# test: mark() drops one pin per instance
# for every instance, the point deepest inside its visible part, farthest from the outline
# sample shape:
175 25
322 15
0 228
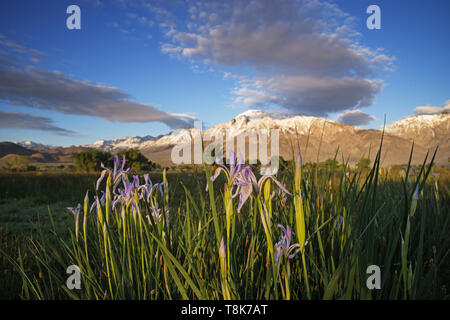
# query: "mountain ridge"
426 131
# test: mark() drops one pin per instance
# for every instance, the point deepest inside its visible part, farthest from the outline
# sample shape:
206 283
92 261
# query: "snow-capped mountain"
119 144
257 120
318 138
242 123
422 128
254 114
173 138
34 145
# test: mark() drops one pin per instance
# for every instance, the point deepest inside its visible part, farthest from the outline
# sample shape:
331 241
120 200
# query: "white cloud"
445 108
304 55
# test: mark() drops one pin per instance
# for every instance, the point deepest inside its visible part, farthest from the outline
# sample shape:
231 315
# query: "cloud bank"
28 121
445 108
38 88
355 117
303 55
34 87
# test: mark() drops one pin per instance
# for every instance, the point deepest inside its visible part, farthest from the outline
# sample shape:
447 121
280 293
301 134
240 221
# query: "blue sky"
141 67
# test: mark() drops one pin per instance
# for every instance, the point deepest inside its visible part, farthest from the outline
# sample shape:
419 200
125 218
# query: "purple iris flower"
100 179
284 246
116 172
126 195
263 179
341 219
238 176
75 211
157 214
243 180
102 201
117 200
136 182
236 165
146 190
416 193
246 182
127 192
124 190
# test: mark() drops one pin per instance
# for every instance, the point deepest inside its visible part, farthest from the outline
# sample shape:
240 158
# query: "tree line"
90 160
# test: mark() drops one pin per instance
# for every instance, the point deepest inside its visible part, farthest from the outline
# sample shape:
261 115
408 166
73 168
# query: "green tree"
90 160
136 161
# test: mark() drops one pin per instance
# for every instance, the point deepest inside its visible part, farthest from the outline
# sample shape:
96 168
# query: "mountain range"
319 138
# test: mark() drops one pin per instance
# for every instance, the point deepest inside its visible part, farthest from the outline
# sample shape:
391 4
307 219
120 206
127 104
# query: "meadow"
226 232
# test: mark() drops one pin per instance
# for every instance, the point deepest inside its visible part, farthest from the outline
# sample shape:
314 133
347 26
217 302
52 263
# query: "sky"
138 67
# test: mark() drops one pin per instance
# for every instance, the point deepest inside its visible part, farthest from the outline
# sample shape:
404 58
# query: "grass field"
178 241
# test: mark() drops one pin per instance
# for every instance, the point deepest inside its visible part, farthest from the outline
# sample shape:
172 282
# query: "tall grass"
137 243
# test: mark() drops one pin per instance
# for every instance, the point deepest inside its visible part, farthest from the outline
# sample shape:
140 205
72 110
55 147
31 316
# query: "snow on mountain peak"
254 114
418 121
424 125
123 143
33 145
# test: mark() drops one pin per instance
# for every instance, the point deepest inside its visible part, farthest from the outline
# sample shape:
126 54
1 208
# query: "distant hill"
38 153
7 148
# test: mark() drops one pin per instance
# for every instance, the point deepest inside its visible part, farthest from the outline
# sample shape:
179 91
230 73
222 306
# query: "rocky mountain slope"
319 138
312 133
425 130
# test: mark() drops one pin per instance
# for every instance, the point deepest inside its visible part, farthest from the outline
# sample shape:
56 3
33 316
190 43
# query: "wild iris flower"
236 165
124 190
284 246
341 219
243 180
116 172
247 181
126 194
76 212
157 213
146 190
414 201
102 201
